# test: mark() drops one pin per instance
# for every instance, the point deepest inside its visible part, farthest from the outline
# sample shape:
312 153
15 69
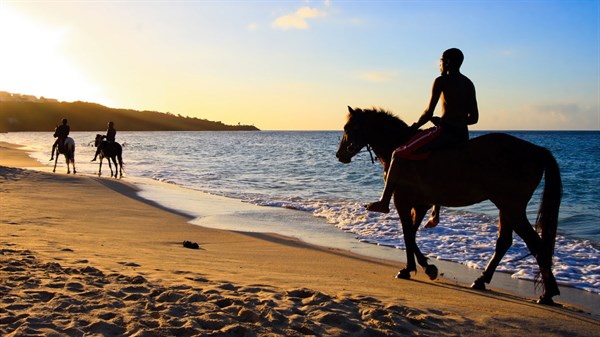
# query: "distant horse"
113 151
496 167
68 150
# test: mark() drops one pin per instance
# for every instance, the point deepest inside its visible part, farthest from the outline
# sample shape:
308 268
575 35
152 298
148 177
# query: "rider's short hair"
455 56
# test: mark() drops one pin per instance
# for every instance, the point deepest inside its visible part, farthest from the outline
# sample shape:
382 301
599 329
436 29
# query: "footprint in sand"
40 295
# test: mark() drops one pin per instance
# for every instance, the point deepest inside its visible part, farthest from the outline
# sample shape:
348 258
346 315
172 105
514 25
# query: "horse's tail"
120 155
547 219
120 158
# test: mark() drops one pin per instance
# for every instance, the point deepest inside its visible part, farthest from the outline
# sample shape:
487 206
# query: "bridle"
371 154
351 146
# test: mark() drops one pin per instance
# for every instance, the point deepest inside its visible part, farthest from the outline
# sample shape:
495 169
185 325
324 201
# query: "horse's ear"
350 110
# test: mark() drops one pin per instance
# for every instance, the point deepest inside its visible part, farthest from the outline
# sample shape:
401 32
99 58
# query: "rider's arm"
436 92
473 116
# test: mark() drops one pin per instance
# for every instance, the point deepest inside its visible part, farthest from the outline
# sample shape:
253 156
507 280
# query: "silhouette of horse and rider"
106 146
64 145
441 166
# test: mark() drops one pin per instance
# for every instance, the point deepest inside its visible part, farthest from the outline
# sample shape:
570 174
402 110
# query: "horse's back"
70 141
111 149
486 167
500 141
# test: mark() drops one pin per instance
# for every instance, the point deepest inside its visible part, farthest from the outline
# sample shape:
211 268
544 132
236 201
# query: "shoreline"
225 213
253 282
263 219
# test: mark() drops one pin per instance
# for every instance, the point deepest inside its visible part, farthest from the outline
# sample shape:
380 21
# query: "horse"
68 150
112 151
497 167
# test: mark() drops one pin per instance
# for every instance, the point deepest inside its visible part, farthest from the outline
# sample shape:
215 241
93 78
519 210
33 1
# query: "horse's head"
355 137
98 140
378 128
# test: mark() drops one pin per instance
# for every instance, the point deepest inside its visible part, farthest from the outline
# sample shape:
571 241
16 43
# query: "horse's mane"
381 117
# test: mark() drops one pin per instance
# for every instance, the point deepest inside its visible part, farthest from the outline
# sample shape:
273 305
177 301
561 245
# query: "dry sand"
84 256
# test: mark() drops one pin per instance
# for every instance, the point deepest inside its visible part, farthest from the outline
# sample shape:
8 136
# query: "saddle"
105 145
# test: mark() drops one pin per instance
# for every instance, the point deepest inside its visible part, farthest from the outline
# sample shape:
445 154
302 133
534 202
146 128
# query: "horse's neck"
384 145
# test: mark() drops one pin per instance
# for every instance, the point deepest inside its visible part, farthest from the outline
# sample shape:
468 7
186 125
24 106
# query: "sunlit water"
299 170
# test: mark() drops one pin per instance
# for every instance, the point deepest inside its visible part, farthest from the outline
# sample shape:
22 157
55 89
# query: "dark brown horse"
496 167
112 151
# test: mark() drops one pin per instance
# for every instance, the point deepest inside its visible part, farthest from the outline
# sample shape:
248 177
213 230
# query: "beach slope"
81 255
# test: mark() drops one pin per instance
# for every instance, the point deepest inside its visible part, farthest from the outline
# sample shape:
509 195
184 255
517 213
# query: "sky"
297 65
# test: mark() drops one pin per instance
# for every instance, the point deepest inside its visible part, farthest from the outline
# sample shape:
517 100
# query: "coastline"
116 249
224 213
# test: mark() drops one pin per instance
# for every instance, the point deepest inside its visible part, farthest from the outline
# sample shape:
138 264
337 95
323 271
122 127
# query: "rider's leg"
406 151
53 149
98 149
383 204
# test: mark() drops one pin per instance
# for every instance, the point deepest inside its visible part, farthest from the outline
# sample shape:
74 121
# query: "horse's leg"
73 161
534 243
114 159
409 241
120 166
56 160
116 166
109 166
100 166
434 218
503 243
67 162
418 216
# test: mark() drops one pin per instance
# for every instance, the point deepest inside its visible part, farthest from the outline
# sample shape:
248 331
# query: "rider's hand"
436 121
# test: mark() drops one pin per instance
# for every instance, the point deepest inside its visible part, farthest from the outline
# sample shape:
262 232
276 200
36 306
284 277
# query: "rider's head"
111 124
64 121
452 59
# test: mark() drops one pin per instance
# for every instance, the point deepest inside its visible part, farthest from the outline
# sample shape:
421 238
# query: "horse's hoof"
378 206
478 285
546 300
432 223
432 272
403 274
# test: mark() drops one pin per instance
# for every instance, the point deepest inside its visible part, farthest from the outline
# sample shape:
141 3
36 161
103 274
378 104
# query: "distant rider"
111 134
61 132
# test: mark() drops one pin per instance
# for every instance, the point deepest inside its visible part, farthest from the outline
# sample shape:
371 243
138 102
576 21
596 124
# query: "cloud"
566 116
298 20
252 27
378 76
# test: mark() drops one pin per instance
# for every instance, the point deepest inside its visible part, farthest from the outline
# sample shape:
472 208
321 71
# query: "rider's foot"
378 206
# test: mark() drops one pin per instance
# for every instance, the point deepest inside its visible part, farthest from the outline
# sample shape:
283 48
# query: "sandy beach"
85 256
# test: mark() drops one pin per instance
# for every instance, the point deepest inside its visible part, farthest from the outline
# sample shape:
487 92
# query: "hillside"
82 116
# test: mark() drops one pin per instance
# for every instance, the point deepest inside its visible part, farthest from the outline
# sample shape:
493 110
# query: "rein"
371 154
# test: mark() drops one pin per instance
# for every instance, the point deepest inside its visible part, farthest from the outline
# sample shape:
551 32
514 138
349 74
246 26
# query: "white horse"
68 150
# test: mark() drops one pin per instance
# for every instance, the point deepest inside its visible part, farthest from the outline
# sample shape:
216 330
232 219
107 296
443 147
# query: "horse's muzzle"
344 158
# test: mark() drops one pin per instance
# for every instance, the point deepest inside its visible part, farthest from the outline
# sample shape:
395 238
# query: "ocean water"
299 170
